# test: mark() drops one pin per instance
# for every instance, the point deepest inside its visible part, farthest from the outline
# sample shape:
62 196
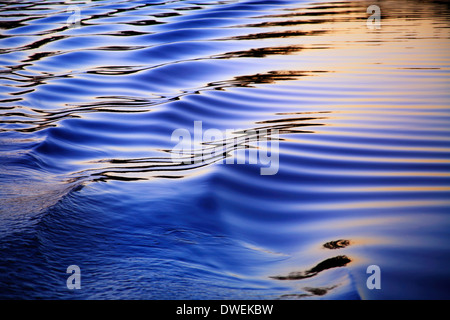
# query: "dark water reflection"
88 176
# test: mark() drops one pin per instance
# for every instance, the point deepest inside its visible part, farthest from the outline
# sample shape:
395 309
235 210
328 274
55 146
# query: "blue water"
87 174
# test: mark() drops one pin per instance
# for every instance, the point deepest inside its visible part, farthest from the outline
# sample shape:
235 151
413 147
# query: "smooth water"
88 177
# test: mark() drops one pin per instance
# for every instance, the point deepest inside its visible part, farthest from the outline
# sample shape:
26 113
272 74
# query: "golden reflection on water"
377 204
391 188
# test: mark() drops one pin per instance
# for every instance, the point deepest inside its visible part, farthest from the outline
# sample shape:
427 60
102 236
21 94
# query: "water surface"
87 175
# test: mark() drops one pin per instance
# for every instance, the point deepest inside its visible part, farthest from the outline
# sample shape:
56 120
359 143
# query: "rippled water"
87 175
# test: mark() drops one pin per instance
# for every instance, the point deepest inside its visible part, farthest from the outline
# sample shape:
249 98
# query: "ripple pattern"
92 91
